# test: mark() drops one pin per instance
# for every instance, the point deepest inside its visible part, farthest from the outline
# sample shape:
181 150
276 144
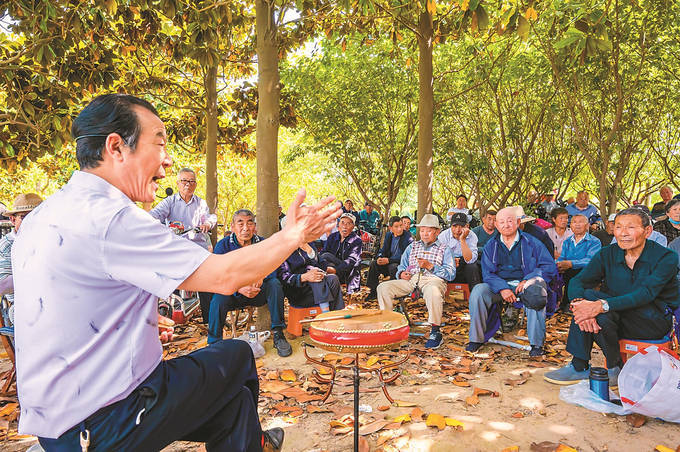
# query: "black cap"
459 218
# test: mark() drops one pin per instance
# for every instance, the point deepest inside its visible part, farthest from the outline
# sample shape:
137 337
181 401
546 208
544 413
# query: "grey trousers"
480 302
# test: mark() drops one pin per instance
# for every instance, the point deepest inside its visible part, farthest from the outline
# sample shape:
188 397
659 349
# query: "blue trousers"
351 276
481 299
271 294
208 396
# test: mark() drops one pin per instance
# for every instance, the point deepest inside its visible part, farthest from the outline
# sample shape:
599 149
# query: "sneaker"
536 350
614 377
435 340
281 344
473 346
567 375
272 440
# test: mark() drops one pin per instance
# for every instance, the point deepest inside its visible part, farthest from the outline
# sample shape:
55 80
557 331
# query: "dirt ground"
519 408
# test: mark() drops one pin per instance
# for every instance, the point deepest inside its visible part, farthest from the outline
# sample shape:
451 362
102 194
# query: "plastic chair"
296 314
630 347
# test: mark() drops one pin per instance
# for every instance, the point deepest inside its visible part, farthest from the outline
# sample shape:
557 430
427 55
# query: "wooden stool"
297 314
458 287
630 347
234 316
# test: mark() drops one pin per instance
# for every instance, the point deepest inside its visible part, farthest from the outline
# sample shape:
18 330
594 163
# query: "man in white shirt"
463 245
461 207
89 267
192 211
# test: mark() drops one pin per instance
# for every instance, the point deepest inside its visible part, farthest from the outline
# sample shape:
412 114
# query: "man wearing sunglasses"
192 212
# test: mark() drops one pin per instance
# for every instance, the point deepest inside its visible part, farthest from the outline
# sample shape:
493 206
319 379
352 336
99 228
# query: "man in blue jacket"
268 291
342 252
389 256
577 251
516 267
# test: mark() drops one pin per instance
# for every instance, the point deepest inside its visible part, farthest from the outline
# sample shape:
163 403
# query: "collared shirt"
445 271
651 280
89 267
655 236
579 254
453 210
588 211
557 239
6 281
483 237
371 219
447 239
192 214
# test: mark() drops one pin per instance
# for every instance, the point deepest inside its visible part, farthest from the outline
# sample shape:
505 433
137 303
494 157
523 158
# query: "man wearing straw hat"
428 265
23 204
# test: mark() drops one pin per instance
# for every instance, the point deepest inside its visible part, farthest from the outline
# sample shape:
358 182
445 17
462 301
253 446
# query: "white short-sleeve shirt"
89 266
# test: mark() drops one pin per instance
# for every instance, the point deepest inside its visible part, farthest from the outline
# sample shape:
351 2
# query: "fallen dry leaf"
482 392
662 448
363 445
273 386
462 384
518 414
455 423
417 414
544 446
511 449
563 448
288 375
383 407
336 423
402 403
8 409
372 361
636 420
373 427
403 418
299 395
317 409
282 407
472 400
436 420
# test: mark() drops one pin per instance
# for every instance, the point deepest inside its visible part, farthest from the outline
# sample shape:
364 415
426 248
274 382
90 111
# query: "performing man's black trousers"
470 274
375 270
204 298
208 396
646 322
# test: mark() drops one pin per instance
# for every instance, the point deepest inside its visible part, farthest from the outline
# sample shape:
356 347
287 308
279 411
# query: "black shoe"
473 346
281 344
272 440
536 350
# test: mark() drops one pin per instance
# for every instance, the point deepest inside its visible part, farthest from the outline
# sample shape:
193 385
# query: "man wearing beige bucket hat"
23 204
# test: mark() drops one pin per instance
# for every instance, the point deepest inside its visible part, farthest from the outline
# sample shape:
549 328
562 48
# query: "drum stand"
355 367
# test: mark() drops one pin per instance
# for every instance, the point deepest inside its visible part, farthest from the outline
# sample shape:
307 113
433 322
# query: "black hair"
462 196
557 211
106 114
394 219
646 221
670 204
490 212
406 216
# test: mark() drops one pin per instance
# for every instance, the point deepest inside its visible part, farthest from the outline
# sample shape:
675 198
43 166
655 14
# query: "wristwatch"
605 305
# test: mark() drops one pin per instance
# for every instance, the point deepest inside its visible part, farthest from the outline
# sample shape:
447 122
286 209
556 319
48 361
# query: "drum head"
366 331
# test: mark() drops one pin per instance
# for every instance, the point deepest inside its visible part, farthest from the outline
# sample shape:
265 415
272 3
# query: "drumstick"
340 317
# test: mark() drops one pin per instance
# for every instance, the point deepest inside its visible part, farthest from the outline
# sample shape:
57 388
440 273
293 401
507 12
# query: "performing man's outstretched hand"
305 224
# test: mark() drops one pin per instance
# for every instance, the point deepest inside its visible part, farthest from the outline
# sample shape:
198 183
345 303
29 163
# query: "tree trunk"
211 143
267 133
425 114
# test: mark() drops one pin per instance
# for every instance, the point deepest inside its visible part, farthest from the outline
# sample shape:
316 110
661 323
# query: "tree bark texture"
211 143
425 114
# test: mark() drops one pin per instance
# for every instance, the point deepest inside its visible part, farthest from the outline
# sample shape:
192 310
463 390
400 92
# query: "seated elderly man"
192 211
428 265
515 267
487 229
607 234
638 291
342 253
23 205
369 217
582 206
659 208
268 291
655 236
577 251
389 256
463 245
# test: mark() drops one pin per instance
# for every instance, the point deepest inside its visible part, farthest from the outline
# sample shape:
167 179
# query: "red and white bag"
649 383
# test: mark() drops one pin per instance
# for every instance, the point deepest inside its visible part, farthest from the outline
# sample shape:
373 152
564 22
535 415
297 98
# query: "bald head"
507 222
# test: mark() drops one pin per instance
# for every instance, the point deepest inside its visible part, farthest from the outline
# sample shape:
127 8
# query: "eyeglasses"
20 216
188 181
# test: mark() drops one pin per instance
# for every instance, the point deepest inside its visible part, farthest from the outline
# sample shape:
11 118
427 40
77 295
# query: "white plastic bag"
649 384
257 347
580 394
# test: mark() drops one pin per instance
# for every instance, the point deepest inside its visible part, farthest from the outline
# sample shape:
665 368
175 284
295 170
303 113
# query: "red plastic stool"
458 287
297 314
630 347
